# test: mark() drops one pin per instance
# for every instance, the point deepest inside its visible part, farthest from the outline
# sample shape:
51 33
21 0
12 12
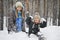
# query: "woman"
19 16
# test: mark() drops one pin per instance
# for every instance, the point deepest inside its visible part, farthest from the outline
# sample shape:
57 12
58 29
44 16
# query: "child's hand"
42 19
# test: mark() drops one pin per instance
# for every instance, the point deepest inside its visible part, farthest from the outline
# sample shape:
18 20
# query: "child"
36 24
33 25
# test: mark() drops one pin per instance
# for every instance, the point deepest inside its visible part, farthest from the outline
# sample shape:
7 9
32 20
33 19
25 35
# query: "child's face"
36 21
19 8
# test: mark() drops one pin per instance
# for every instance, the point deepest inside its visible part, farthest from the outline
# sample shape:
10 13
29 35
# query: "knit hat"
19 4
36 15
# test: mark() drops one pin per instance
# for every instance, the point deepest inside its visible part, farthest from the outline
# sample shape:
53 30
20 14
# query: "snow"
50 33
16 36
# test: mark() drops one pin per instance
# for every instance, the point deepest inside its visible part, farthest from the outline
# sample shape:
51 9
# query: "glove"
42 19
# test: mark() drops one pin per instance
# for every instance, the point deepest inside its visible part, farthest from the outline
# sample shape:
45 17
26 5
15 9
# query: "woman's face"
19 8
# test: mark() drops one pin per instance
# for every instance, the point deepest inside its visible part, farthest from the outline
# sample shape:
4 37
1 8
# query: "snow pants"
19 24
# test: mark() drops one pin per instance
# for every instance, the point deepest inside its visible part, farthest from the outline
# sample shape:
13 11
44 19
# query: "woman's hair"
19 4
21 12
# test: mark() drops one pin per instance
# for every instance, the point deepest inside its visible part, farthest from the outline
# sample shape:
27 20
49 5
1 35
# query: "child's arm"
43 23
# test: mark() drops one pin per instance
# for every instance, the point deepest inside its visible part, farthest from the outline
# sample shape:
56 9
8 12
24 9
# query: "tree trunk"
55 12
59 15
1 14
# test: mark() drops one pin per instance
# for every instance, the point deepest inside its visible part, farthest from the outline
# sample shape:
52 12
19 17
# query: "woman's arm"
16 15
23 15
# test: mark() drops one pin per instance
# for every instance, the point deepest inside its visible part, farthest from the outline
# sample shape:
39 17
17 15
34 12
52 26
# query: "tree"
1 14
59 15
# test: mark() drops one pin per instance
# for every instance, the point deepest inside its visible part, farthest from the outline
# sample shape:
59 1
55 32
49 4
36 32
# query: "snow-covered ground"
50 33
16 36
